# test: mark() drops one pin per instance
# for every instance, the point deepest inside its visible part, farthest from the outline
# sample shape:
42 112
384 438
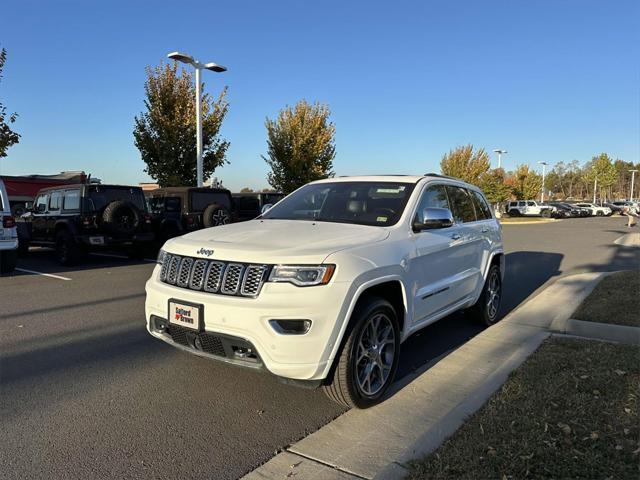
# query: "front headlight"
302 275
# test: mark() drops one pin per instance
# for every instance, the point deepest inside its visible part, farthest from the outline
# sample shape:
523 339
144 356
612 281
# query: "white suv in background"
323 288
529 208
8 234
596 210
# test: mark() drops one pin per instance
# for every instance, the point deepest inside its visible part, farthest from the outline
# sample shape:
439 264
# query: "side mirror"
433 218
266 207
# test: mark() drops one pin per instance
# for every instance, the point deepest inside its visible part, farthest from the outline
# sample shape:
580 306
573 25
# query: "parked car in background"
250 205
322 288
179 210
616 207
595 210
569 210
8 233
529 208
76 219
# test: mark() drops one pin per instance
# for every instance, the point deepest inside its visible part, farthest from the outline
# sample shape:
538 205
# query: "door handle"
484 229
456 236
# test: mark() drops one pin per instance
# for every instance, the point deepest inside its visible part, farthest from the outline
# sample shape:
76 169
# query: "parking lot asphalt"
85 392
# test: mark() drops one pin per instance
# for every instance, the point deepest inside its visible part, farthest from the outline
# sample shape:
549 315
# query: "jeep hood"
275 241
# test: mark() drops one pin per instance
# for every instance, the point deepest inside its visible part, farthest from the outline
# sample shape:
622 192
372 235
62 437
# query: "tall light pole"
500 152
544 172
633 177
188 59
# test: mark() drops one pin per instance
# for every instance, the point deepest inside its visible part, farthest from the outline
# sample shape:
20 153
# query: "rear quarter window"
201 200
461 204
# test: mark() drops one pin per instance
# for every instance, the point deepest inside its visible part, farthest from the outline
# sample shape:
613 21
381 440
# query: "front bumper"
299 357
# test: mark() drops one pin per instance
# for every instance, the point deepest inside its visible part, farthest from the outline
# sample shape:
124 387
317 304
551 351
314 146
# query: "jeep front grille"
213 276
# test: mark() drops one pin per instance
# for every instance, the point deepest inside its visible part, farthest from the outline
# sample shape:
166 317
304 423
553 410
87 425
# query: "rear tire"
514 213
368 359
8 260
68 252
599 214
487 308
546 213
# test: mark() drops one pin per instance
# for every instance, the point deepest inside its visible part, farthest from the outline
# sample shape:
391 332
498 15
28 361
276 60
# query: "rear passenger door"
486 228
468 244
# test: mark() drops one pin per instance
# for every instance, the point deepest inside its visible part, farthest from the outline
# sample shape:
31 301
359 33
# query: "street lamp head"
181 57
543 163
500 151
634 170
214 67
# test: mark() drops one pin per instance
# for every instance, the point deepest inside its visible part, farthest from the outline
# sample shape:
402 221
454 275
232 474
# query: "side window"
172 204
435 196
156 204
249 203
483 212
461 205
521 204
531 204
71 200
54 201
41 203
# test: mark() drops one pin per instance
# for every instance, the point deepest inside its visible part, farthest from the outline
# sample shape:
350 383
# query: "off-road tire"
341 384
114 214
599 213
8 259
546 213
481 311
68 251
215 215
23 247
514 213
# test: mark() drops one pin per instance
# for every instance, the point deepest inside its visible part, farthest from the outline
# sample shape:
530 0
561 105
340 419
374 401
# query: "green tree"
246 190
166 133
463 163
301 146
494 187
8 137
527 184
600 168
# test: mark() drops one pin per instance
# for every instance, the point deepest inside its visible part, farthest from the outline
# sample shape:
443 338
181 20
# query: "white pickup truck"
529 208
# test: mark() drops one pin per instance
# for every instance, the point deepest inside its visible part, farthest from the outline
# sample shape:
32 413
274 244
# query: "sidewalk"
378 442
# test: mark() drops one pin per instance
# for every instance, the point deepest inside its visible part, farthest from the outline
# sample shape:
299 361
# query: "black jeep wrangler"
250 204
179 210
77 218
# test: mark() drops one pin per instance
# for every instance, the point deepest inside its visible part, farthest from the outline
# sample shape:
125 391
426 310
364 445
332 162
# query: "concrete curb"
378 443
603 331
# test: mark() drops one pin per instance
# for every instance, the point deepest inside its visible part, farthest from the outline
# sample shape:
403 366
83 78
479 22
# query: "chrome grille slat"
196 280
253 278
232 278
213 276
185 272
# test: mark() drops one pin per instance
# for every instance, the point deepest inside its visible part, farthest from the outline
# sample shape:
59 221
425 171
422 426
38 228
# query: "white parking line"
33 272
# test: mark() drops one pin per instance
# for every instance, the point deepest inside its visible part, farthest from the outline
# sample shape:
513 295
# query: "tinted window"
248 203
483 212
201 200
54 201
100 196
172 204
71 200
461 204
271 198
531 204
363 203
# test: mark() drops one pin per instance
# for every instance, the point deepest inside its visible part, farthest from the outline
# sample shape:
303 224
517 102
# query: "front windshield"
362 203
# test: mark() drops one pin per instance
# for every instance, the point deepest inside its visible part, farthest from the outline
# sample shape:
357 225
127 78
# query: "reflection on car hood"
275 241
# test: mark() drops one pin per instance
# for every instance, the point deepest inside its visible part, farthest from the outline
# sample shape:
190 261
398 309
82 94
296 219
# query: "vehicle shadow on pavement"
525 273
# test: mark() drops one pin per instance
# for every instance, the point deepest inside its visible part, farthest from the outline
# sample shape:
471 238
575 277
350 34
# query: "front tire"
369 356
487 307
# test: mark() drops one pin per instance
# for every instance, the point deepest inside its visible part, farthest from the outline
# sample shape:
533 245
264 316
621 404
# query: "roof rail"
442 176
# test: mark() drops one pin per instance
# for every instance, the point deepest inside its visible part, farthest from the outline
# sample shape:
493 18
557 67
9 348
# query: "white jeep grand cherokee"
323 288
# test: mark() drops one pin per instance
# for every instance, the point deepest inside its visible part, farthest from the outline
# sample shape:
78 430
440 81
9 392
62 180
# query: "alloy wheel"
493 295
375 354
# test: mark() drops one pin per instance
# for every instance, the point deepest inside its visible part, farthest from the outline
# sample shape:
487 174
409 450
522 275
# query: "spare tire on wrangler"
120 217
215 215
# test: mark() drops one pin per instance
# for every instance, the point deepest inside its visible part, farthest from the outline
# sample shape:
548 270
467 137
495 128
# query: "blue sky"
406 81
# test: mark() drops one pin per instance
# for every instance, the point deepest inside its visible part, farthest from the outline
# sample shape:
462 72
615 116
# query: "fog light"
291 327
158 324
